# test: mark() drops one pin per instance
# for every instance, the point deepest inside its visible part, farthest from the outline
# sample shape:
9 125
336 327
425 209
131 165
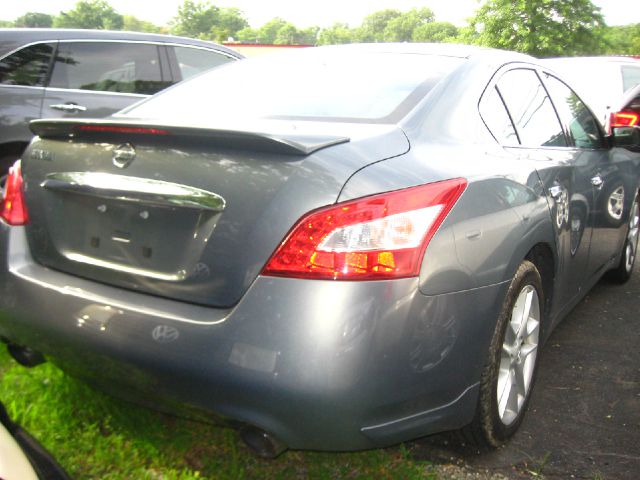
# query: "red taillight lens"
13 209
117 129
377 237
624 119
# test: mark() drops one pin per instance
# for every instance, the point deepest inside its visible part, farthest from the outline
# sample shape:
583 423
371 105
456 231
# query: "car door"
98 78
609 171
22 78
535 134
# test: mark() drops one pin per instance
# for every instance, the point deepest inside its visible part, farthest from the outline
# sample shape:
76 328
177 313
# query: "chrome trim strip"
142 272
94 92
134 189
107 40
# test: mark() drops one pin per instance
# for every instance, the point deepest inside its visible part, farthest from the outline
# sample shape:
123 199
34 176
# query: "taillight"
624 119
377 237
13 209
117 129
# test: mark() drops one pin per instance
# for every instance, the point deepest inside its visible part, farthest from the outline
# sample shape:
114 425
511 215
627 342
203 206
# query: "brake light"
13 209
377 237
117 129
624 119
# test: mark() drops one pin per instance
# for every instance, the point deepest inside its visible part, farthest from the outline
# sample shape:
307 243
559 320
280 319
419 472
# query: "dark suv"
48 73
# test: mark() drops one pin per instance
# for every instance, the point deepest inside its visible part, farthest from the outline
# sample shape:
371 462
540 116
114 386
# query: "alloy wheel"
518 355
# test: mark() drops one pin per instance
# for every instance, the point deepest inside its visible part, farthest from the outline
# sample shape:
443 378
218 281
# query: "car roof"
14 38
444 49
593 60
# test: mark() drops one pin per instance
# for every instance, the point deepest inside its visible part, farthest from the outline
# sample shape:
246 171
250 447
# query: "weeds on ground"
95 436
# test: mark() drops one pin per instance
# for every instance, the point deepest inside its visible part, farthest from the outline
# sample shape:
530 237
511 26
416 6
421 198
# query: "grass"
95 436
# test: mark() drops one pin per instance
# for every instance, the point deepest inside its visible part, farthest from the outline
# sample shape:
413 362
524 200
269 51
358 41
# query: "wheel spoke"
527 349
503 397
518 354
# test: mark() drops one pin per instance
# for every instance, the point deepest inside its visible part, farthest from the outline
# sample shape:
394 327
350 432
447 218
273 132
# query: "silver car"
335 248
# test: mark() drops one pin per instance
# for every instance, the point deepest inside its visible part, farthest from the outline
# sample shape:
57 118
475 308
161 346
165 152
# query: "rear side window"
108 67
28 67
497 119
191 60
630 77
575 115
530 109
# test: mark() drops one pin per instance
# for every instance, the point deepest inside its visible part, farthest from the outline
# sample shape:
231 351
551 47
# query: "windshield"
315 84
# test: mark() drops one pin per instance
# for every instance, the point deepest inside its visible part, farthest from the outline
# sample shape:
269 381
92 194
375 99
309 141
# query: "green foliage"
401 28
34 20
94 436
133 24
384 26
6 24
374 25
230 22
247 35
622 40
268 33
195 19
336 34
541 28
95 14
206 21
436 32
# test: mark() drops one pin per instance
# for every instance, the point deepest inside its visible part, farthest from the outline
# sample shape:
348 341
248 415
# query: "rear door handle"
69 107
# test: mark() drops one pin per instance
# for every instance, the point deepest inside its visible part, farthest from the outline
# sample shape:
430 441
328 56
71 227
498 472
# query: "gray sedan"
335 248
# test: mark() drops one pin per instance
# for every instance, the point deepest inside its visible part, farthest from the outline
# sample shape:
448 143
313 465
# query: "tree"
268 33
401 28
133 24
374 25
195 19
336 34
539 27
97 14
247 35
230 22
622 40
6 24
34 20
436 32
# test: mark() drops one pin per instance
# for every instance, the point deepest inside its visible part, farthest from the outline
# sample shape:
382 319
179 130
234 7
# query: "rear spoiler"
284 143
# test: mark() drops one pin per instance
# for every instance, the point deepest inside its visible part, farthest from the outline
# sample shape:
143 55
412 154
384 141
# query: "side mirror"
626 137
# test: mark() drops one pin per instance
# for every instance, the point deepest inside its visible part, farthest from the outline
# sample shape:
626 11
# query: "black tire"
493 424
622 273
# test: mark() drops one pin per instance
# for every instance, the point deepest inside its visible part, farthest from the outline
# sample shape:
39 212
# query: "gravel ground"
584 416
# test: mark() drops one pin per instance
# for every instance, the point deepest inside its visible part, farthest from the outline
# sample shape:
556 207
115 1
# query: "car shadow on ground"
584 417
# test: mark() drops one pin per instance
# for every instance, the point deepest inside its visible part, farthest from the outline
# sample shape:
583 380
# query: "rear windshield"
321 84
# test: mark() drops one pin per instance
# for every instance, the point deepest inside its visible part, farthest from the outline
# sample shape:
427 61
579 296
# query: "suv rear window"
28 66
109 67
321 84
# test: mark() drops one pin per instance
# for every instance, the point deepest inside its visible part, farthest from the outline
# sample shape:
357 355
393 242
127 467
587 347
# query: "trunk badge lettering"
123 155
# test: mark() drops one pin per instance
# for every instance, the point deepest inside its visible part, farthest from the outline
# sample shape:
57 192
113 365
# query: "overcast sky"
304 13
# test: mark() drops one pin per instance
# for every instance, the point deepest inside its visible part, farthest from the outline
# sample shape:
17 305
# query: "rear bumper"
319 364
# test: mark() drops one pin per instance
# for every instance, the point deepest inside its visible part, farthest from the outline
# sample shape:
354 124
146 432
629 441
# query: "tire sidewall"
496 431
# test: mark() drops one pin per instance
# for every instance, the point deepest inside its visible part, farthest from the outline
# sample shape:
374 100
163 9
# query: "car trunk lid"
182 212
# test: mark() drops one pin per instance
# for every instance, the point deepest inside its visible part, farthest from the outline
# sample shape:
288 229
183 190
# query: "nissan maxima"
335 248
